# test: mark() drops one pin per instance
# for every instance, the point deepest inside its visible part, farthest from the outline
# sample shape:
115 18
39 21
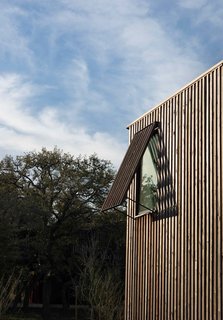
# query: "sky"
75 73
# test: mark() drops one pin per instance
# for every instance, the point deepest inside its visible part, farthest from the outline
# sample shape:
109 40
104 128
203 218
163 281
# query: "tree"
101 282
8 287
8 220
54 196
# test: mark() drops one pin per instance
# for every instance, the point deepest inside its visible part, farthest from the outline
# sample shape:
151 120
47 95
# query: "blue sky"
75 73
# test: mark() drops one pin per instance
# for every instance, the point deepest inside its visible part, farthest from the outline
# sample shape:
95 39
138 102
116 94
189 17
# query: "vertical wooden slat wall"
174 262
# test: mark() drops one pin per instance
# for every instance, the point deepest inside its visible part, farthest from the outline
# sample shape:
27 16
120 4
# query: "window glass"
148 176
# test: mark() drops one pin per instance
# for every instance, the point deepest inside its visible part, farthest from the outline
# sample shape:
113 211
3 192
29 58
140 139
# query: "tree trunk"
25 303
64 296
46 296
28 290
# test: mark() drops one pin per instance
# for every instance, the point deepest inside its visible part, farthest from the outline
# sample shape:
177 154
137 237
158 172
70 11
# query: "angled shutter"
128 167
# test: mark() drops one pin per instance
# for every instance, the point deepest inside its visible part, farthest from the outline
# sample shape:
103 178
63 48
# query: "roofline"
177 92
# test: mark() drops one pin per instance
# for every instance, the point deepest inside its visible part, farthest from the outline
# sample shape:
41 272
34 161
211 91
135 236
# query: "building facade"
172 178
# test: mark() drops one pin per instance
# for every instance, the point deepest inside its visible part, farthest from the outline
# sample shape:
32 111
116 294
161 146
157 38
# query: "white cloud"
109 61
146 61
13 43
23 131
76 80
192 4
130 48
212 14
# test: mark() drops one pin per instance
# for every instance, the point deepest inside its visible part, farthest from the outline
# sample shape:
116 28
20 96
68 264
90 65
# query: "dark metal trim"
141 205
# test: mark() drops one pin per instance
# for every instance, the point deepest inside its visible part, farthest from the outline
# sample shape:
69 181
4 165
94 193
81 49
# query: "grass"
55 314
21 317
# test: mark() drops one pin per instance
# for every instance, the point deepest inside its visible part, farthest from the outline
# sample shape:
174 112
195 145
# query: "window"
142 140
147 177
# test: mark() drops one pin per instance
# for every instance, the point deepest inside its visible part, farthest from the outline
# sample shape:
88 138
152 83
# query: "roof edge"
178 91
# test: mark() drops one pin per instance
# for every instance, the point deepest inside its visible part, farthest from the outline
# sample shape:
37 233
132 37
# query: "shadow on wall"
166 198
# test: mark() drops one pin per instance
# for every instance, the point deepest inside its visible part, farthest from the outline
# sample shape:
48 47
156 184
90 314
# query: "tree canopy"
49 205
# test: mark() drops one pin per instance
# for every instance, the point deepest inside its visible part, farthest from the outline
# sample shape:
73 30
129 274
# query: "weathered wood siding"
174 262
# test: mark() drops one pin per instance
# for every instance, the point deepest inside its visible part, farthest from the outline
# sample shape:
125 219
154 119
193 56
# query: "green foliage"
148 193
49 208
47 197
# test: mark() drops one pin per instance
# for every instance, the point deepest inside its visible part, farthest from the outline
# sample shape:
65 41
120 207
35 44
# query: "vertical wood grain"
174 264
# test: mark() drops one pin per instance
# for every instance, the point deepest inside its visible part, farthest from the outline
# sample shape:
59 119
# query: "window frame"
138 212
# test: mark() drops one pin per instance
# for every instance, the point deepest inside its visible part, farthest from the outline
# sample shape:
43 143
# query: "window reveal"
147 177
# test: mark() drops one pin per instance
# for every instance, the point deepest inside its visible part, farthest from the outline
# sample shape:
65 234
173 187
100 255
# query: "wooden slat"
199 196
175 262
177 181
219 194
203 207
175 229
